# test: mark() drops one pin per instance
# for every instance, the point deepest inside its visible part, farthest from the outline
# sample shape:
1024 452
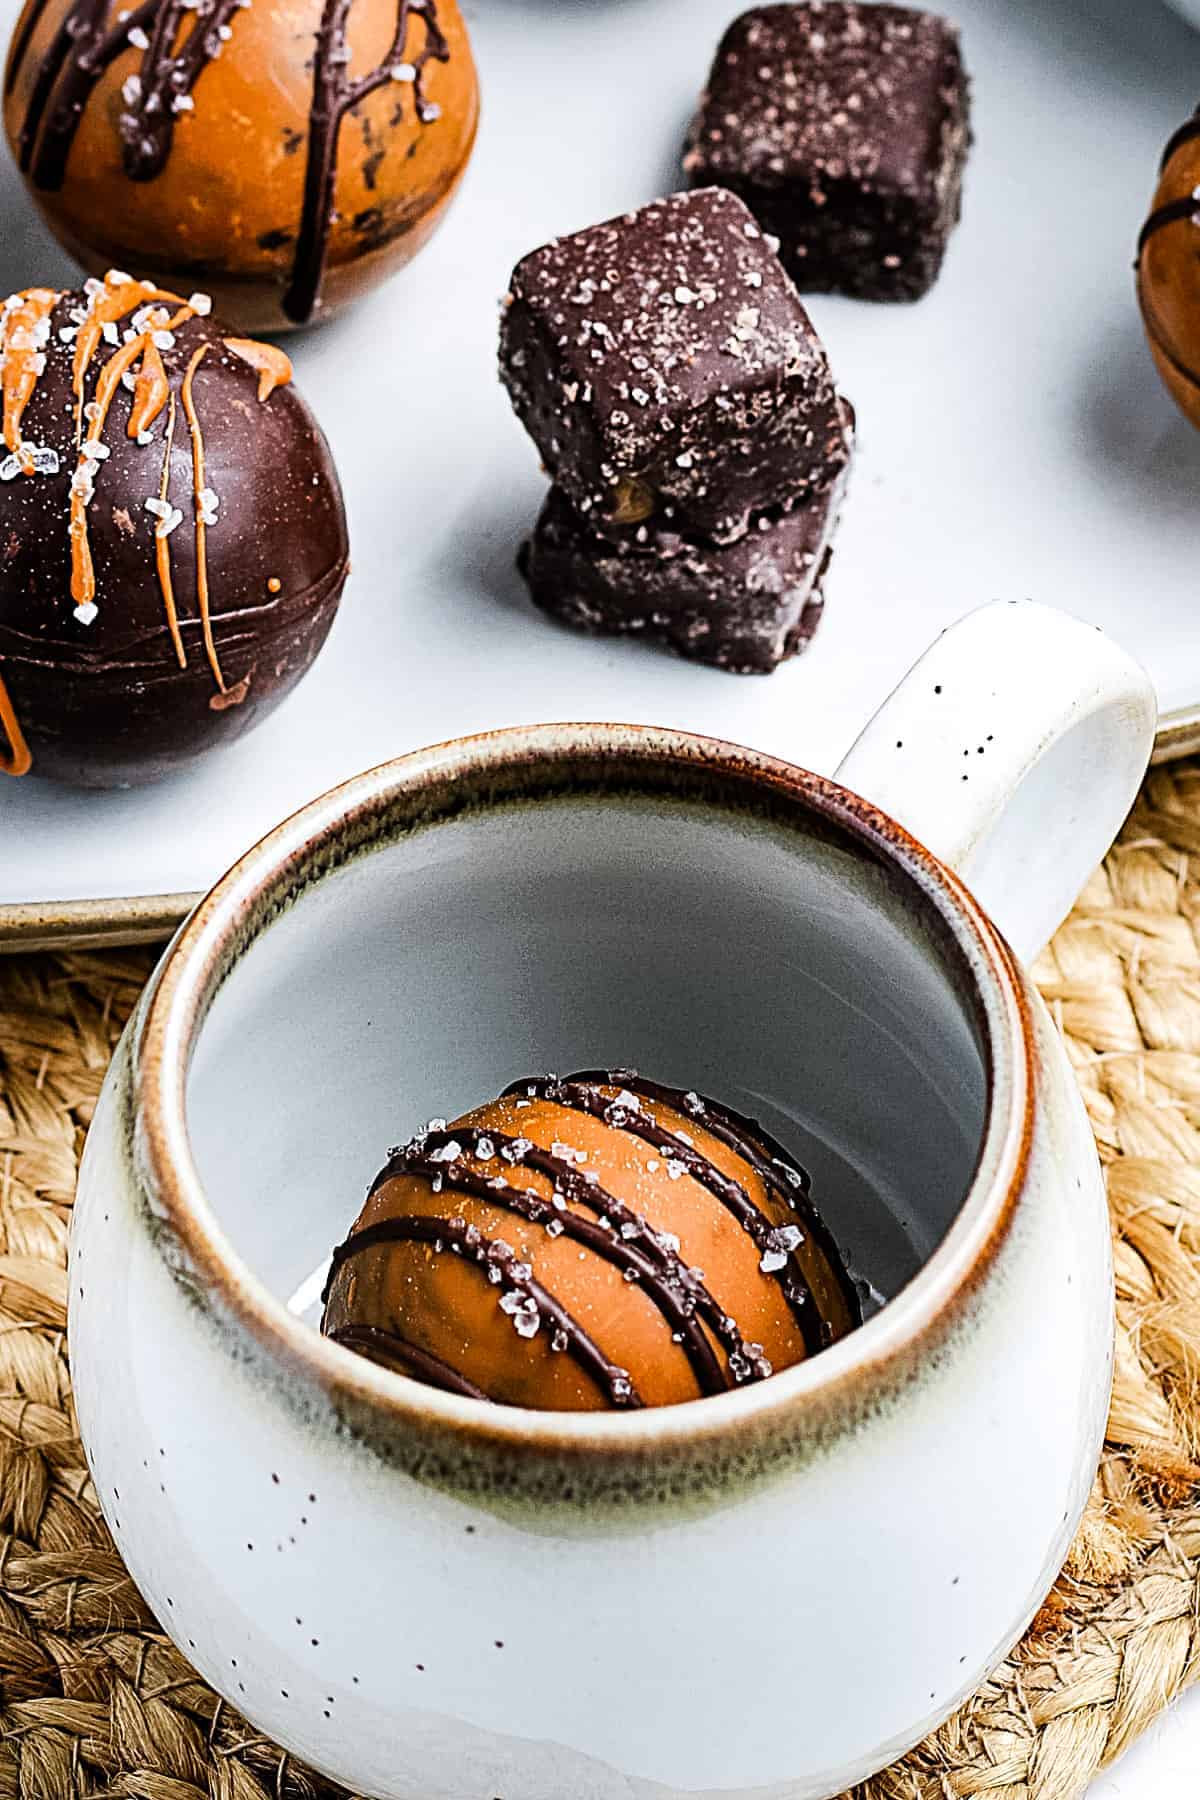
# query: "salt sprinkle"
87 612
183 103
404 71
138 38
201 304
163 340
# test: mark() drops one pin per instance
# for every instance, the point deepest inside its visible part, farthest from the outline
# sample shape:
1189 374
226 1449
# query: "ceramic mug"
770 1592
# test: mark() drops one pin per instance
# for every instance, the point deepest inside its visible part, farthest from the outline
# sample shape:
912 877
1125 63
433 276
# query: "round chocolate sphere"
594 1242
172 536
1168 270
285 155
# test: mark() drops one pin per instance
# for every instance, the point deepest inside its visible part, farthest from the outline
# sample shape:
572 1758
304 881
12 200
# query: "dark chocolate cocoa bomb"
743 607
845 129
172 535
600 1242
665 358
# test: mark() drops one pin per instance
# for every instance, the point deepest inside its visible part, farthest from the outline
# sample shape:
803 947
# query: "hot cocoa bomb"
285 155
596 1242
172 535
1168 270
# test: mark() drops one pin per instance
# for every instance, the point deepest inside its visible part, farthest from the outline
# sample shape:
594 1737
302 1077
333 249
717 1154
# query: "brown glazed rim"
523 764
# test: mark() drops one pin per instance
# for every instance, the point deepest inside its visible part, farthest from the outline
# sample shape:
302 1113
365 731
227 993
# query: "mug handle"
1013 750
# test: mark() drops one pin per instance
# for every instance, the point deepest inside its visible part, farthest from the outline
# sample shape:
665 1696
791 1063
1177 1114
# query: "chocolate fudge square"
844 128
743 606
665 357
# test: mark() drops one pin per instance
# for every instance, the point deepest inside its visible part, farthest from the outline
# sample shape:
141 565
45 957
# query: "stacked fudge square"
845 128
683 405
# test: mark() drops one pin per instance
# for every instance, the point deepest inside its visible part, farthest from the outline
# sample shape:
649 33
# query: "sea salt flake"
685 460
10 468
675 1168
403 71
131 89
201 305
145 437
559 1341
555 1228
485 1149
163 340
87 612
183 103
95 450
160 508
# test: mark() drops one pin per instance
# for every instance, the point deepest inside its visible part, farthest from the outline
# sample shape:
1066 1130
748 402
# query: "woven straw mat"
95 1701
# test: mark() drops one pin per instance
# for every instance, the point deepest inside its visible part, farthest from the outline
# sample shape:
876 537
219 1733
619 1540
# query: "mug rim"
300 853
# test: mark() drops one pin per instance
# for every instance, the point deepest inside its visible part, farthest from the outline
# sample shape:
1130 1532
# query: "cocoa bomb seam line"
423 1364
610 1378
1172 213
526 1203
588 1099
333 96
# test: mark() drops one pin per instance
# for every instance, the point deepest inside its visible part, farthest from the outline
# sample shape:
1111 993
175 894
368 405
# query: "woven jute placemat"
94 1700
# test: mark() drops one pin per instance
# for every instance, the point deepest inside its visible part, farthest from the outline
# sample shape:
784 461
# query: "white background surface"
1014 440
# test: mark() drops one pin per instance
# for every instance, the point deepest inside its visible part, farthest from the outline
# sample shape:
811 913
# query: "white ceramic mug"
769 1592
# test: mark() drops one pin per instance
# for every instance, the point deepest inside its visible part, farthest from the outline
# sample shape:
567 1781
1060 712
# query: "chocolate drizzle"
493 1254
178 40
1187 131
334 94
580 1209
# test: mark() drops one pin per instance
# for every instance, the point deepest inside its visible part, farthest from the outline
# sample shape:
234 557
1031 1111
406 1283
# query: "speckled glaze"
767 1593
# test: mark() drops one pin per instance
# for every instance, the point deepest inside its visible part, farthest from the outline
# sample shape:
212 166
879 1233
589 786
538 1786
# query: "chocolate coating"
592 1243
743 606
1168 270
665 358
845 129
105 690
284 155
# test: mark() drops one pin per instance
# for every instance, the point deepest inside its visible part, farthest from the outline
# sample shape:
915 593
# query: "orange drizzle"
18 761
189 407
23 362
162 547
114 303
151 393
83 576
274 367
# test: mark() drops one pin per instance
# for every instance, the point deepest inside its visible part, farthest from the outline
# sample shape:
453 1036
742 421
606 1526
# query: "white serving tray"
1014 440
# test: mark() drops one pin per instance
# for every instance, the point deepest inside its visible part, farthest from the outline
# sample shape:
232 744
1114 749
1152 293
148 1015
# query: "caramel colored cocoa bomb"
590 1243
172 535
1168 270
284 155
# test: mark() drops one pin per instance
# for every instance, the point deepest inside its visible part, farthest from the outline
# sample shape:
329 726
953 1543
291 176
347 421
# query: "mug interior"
752 948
